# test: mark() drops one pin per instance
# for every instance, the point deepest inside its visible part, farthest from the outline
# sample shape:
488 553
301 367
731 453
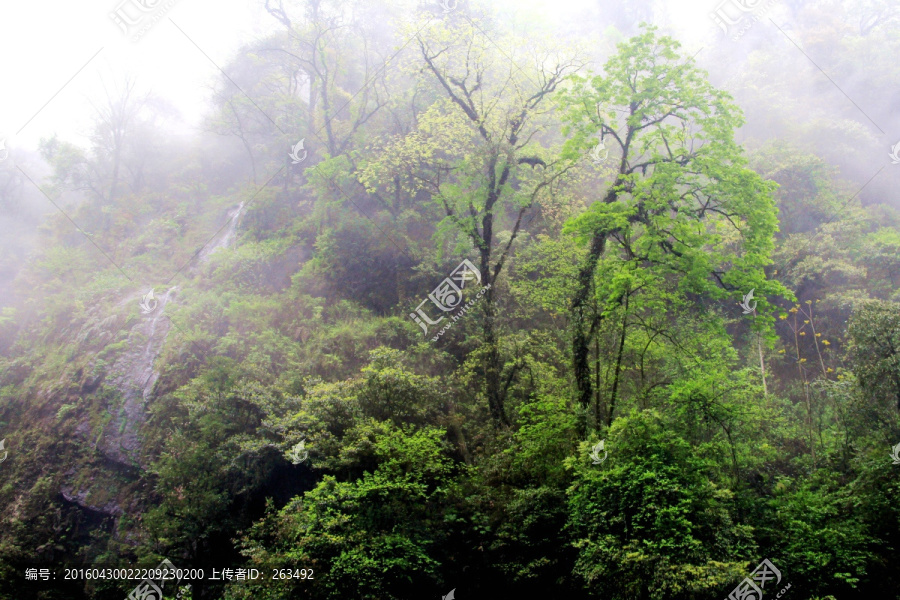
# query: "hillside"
437 301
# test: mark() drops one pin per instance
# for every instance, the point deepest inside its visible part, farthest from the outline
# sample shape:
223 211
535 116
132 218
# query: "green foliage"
683 203
375 536
650 521
874 332
464 462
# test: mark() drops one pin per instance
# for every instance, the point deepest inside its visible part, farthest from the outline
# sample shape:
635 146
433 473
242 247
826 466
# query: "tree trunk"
114 185
492 362
581 329
615 385
597 383
762 365
492 355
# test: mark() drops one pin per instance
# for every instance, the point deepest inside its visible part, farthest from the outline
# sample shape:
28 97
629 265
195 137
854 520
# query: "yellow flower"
809 301
782 317
829 370
826 342
793 310
775 272
802 333
806 322
781 351
818 335
802 360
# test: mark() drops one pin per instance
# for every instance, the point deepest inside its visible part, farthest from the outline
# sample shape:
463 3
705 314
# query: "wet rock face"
111 392
133 376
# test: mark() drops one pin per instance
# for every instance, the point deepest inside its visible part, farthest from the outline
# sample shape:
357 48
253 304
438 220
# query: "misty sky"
48 42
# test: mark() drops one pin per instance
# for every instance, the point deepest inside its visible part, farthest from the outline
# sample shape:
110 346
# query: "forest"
444 299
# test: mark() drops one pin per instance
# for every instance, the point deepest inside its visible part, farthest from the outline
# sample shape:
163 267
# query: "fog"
662 356
63 58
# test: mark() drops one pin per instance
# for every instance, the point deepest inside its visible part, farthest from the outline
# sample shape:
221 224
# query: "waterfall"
133 374
152 348
225 237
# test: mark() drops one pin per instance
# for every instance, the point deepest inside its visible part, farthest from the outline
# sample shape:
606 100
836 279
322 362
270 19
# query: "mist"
449 298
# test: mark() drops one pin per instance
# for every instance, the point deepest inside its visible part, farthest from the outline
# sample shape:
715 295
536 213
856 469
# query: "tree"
477 152
651 522
376 535
681 203
874 332
335 63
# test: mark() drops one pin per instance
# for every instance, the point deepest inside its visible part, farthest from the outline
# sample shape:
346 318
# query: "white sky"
45 43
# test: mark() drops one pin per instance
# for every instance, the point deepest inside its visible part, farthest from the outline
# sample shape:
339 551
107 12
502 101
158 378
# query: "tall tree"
336 56
874 332
478 153
99 173
681 201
